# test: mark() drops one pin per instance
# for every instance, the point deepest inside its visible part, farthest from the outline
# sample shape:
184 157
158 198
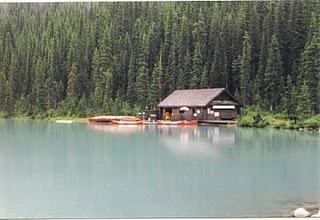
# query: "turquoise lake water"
103 171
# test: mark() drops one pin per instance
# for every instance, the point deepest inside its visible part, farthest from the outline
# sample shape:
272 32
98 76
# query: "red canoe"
123 122
193 122
112 118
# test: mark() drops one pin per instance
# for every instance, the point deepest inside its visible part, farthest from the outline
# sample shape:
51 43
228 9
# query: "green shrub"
246 121
3 115
281 123
312 122
260 121
254 117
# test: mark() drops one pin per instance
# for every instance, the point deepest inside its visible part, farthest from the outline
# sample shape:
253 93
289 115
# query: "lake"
91 170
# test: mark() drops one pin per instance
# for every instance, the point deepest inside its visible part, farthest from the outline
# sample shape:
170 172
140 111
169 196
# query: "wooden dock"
224 122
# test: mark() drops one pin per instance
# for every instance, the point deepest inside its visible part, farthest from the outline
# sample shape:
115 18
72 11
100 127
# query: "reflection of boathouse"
197 141
201 104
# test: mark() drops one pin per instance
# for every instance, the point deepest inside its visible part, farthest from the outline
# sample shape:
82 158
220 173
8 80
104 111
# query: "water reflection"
196 141
115 129
103 171
181 140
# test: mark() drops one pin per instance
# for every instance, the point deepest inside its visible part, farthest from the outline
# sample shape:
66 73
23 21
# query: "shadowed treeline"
113 58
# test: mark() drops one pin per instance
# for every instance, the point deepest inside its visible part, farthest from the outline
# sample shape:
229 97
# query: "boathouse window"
223 107
183 109
175 111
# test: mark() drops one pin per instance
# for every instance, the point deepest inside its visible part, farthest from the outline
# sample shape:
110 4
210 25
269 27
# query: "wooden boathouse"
215 104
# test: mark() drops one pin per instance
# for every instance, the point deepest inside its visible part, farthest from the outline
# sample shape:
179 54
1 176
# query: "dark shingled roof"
191 97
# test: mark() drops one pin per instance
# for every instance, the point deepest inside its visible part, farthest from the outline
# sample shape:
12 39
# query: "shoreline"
74 119
236 125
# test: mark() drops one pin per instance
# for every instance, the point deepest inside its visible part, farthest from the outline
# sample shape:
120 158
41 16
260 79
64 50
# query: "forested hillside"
113 58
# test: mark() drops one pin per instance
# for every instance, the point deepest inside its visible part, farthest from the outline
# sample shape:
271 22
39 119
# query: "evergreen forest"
94 58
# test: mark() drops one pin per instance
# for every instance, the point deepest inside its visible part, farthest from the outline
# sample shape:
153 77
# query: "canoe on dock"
170 122
150 122
193 122
107 119
123 122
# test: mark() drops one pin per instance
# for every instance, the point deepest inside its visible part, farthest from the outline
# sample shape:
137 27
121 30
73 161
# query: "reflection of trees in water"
274 140
116 129
200 140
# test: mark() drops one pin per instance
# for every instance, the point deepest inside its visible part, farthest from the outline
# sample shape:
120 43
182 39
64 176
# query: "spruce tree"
297 28
72 95
310 69
245 71
131 92
108 101
185 73
2 89
197 68
218 70
156 85
97 81
273 77
142 80
204 79
39 89
51 85
291 98
304 101
172 70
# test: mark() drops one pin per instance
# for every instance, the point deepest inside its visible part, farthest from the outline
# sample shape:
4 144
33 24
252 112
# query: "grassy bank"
52 117
261 119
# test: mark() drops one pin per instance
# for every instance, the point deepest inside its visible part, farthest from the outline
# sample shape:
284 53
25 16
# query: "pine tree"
197 68
205 79
297 28
155 90
2 89
310 69
39 89
97 81
218 70
267 31
172 71
259 80
281 31
108 101
72 95
142 80
131 92
51 85
273 77
245 71
291 98
304 102
14 77
236 63
184 73
8 100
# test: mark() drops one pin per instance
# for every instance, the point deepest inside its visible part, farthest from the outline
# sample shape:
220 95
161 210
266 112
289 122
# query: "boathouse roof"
193 97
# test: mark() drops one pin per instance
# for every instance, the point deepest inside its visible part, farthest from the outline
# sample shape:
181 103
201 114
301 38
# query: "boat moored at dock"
108 119
193 122
124 122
